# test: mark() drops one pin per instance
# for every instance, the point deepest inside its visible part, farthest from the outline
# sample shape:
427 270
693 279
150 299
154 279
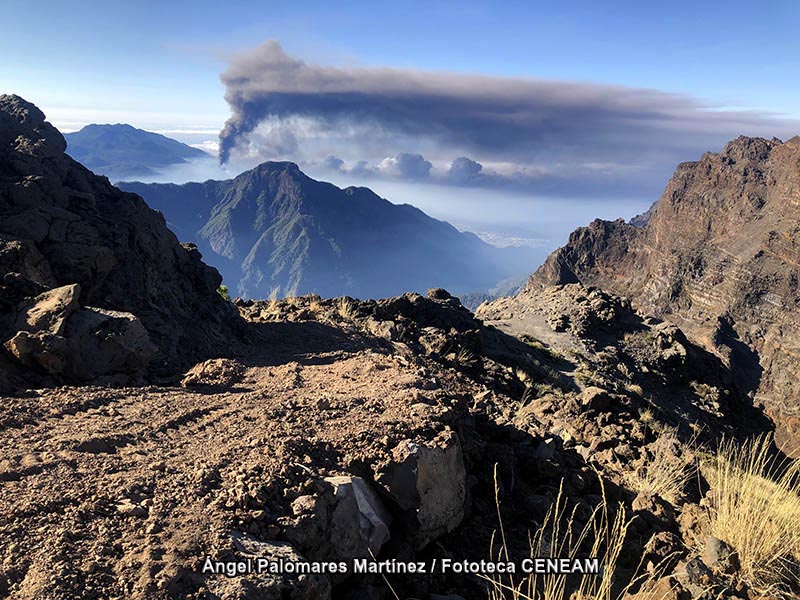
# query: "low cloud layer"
464 169
429 123
465 172
406 165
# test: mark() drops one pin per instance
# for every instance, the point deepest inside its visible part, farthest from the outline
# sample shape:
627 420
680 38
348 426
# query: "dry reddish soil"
120 489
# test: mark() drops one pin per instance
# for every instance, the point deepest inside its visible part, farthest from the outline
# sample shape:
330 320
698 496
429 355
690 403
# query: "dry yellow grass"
664 475
755 507
346 308
466 357
646 416
602 537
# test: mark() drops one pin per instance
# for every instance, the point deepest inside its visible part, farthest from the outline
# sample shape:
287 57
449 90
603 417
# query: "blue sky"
158 66
159 62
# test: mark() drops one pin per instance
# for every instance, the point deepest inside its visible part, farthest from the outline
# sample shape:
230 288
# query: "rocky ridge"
719 256
346 429
93 282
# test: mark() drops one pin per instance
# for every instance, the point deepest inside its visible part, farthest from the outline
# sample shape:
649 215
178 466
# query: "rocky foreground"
153 433
408 402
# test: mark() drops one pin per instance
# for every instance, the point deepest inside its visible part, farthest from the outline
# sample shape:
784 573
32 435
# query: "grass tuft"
664 475
560 536
347 308
755 508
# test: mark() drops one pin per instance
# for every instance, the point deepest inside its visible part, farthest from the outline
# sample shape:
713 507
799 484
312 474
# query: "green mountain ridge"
273 230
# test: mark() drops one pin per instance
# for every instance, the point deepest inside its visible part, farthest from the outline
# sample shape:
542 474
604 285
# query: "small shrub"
222 290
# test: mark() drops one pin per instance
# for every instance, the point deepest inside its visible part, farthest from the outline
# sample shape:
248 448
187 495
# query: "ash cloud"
601 133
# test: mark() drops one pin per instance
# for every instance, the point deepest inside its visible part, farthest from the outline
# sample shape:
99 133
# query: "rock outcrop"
719 255
93 281
430 483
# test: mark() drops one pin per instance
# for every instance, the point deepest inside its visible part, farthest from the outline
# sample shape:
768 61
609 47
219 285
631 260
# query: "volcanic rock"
104 342
69 236
49 310
718 256
359 524
428 481
720 556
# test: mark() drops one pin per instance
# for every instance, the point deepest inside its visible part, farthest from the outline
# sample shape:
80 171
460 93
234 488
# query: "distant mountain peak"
281 165
124 151
275 230
127 126
272 168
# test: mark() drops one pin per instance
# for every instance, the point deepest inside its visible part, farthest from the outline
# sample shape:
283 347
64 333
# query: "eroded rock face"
69 239
359 524
429 482
718 256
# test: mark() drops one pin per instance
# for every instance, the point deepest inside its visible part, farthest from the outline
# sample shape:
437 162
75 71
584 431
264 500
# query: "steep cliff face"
64 228
720 256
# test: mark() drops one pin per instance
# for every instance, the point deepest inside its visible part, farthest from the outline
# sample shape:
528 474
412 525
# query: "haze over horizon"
516 123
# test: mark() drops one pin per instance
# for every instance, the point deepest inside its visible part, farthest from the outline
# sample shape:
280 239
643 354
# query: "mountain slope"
720 256
124 151
75 249
275 230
